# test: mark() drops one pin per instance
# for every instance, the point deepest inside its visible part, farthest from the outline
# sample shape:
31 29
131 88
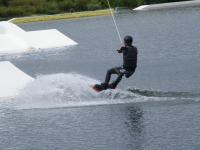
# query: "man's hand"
119 51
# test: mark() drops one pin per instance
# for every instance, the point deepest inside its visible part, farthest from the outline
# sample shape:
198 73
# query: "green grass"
75 15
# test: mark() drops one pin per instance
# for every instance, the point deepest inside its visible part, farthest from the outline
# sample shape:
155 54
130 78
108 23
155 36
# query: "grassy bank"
74 15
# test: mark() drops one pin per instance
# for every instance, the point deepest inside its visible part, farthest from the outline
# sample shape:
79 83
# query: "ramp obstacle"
12 80
13 39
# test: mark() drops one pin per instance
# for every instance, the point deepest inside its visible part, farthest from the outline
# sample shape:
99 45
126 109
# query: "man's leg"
114 84
104 86
119 78
108 76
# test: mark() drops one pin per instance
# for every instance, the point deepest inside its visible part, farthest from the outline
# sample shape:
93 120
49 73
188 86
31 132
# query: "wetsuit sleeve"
121 50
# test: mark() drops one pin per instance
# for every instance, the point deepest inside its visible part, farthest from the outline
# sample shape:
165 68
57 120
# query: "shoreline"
102 12
67 16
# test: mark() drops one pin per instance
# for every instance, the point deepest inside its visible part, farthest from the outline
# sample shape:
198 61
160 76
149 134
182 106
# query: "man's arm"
121 49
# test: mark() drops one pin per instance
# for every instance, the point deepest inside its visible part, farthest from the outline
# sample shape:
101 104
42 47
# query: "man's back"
129 58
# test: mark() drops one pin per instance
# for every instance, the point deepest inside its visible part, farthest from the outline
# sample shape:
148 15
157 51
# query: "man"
128 68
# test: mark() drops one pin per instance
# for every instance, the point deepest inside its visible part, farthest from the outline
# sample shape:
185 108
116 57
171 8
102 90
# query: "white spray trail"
67 90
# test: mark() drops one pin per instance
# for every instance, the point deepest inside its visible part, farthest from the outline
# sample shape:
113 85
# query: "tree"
3 2
94 5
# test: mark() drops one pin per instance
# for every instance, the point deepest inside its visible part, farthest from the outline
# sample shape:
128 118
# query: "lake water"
156 109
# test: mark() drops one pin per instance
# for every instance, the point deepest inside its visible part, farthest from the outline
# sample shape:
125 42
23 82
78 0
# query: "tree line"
15 8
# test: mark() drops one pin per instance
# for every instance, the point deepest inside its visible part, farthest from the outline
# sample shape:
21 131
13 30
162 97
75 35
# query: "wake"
73 90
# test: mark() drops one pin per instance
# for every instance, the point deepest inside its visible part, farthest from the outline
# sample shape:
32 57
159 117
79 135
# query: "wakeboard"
98 88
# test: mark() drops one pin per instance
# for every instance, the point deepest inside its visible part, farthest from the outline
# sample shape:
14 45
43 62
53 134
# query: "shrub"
12 8
81 4
3 12
16 11
47 8
3 3
94 5
66 5
52 8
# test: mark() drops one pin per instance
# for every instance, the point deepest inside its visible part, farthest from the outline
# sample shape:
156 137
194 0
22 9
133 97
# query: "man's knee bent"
110 71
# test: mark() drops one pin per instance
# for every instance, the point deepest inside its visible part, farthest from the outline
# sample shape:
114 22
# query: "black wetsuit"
128 68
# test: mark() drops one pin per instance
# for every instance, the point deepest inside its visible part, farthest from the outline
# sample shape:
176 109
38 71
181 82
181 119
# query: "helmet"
128 40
